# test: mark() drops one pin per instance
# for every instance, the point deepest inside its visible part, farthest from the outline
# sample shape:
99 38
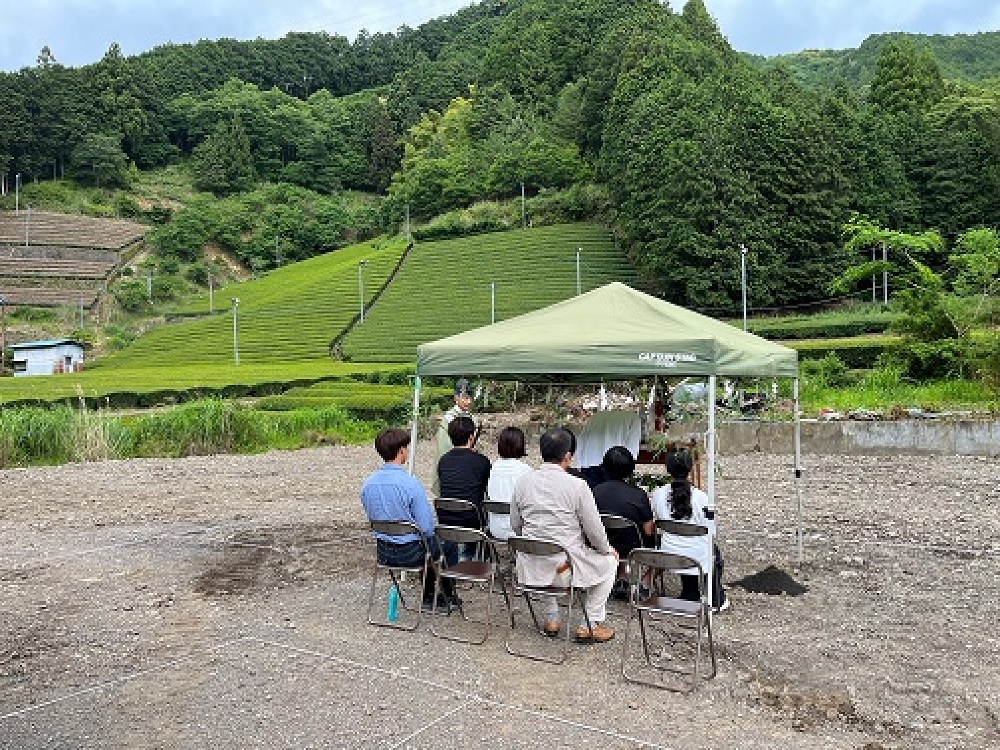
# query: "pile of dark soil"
772 581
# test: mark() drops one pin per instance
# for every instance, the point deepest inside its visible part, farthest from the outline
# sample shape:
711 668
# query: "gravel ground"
220 601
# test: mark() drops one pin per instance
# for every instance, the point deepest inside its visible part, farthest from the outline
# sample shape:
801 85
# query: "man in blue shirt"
392 494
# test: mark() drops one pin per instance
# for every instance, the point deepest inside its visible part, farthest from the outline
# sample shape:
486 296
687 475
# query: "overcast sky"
80 31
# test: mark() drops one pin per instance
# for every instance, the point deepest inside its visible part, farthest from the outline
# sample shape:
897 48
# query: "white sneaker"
724 606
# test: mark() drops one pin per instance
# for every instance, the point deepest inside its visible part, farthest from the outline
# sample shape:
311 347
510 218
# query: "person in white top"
687 504
504 475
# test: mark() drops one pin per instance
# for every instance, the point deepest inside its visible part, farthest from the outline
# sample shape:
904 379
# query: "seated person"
622 499
551 505
392 494
463 474
682 502
504 475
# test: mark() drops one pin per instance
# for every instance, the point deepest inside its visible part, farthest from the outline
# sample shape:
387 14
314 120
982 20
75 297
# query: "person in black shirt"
463 473
622 499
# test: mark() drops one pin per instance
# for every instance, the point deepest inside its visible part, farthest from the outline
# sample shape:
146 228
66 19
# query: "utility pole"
149 288
885 274
277 252
743 275
3 334
361 288
524 214
874 297
493 302
579 285
17 192
236 331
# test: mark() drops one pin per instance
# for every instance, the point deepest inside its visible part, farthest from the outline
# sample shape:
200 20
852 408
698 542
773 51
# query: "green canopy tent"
614 332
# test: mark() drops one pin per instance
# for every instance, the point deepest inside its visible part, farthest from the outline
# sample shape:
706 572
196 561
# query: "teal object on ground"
392 613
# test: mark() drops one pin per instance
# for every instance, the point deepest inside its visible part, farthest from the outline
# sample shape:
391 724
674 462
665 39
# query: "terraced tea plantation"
292 314
443 287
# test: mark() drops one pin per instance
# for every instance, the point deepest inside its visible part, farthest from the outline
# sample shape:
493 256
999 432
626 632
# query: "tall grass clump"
35 435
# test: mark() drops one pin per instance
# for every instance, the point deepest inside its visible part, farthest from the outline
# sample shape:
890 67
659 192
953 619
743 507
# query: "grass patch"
147 386
33 435
886 391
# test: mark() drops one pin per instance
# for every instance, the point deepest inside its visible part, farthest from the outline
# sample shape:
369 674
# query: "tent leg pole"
413 424
710 485
797 438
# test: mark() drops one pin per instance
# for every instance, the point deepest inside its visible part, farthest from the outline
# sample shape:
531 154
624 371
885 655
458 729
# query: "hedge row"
859 352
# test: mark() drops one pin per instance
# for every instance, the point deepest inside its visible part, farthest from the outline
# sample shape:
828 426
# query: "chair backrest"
460 535
496 506
396 528
613 521
655 558
457 505
680 528
527 546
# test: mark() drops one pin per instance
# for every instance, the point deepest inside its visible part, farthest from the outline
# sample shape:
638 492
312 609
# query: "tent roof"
613 331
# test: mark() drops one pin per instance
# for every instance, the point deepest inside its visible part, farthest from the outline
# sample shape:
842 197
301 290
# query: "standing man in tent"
461 407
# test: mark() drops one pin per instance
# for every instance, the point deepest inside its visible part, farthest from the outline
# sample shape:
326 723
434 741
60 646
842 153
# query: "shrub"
828 372
927 360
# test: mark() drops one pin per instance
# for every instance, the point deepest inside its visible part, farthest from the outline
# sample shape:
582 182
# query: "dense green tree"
223 164
99 159
906 79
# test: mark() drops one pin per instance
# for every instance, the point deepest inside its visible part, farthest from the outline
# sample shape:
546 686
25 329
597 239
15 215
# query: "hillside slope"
444 287
291 314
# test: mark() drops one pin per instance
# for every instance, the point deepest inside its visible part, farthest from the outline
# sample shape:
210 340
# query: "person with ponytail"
685 503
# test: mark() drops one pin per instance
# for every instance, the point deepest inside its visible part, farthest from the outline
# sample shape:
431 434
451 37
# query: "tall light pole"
885 274
524 213
743 274
236 331
361 288
579 286
493 302
17 192
3 334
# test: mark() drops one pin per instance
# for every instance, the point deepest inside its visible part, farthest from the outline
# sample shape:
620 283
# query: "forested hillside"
965 57
698 150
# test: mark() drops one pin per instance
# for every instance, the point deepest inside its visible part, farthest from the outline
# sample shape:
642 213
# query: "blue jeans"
412 554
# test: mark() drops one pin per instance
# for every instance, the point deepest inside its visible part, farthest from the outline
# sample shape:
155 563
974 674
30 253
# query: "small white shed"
47 357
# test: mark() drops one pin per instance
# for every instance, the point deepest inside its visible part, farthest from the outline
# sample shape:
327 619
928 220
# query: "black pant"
689 584
412 553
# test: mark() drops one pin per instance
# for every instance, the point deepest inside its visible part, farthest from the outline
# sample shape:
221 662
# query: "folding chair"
493 506
502 552
536 547
663 607
397 528
614 522
688 534
470 571
457 505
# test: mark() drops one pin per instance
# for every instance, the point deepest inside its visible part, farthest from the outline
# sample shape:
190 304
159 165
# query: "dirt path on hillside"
219 601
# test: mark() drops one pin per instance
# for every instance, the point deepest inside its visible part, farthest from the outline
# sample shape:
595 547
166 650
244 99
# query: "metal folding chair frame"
470 571
532 547
458 505
397 528
699 611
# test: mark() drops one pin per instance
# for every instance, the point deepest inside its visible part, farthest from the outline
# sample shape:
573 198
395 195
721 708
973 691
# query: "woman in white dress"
504 475
687 504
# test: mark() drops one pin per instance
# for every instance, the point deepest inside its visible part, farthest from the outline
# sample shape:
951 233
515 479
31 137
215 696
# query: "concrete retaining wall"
920 437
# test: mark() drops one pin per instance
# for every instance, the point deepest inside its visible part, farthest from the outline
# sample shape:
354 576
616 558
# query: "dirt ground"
220 602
